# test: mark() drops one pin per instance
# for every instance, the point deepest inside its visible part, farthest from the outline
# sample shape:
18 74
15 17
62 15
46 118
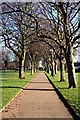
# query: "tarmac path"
37 100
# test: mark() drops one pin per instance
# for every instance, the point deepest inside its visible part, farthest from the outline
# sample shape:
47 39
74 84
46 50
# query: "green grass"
71 95
11 85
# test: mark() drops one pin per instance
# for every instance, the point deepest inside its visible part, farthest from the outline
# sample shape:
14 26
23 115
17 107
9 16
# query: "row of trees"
62 28
54 24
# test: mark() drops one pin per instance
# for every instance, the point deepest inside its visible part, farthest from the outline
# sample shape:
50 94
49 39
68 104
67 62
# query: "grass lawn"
11 85
71 95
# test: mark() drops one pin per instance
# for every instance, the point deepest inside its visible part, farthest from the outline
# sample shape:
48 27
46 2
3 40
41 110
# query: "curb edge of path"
67 105
17 94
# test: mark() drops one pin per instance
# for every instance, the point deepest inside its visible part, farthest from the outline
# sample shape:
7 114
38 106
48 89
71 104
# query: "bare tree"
62 30
17 21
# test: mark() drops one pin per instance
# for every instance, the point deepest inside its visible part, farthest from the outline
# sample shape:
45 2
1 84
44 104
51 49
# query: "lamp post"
52 61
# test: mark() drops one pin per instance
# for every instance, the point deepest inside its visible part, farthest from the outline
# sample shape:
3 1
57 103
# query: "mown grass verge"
72 96
11 85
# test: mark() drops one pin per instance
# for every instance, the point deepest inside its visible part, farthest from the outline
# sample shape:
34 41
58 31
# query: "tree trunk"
21 68
35 70
53 71
6 64
56 71
49 68
71 69
21 65
24 67
20 59
32 67
65 67
62 71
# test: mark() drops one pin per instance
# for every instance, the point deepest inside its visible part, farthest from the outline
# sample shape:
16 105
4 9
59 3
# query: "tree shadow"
10 87
40 82
62 88
57 81
60 81
39 89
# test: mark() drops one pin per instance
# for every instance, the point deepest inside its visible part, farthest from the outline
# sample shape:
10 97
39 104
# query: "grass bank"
71 95
11 85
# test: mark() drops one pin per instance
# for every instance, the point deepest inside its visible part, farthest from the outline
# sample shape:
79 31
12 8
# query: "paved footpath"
37 100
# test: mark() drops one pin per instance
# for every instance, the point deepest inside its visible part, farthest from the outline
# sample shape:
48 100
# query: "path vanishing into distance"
37 100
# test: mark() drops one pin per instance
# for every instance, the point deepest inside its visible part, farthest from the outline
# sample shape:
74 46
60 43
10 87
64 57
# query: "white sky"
40 63
77 56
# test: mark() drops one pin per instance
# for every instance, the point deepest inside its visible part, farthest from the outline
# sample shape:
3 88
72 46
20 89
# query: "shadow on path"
41 82
38 89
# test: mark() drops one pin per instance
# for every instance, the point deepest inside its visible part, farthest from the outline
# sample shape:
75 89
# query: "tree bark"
53 71
71 69
48 68
56 71
20 59
21 68
24 67
32 67
21 65
62 71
